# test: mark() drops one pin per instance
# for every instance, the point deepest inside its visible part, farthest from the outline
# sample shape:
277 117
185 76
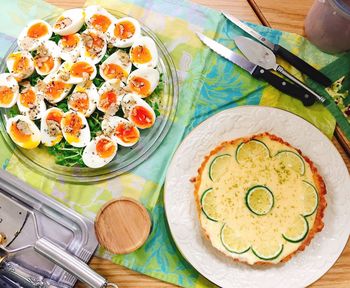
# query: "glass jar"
328 25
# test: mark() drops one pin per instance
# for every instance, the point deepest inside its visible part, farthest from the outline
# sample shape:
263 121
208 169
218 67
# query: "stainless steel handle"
70 263
281 70
27 278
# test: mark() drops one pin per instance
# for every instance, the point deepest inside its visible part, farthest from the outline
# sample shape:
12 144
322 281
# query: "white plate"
304 268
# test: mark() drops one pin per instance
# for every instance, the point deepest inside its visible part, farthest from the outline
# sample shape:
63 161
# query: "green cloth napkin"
208 84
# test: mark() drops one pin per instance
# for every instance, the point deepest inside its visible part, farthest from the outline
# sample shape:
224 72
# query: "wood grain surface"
280 15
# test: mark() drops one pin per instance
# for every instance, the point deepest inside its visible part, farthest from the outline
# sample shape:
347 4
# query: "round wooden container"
122 225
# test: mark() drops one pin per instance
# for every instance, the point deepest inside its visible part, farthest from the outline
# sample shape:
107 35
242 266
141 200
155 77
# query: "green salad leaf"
67 155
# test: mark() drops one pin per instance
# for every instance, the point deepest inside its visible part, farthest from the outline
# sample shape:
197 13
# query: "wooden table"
277 14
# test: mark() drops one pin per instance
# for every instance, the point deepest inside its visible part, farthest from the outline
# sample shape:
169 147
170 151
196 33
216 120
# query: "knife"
279 50
13 217
258 72
261 55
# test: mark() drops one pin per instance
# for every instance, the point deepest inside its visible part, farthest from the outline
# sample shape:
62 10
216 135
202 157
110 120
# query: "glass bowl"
127 158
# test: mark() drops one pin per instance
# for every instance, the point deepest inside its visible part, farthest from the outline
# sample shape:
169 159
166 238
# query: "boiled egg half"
99 152
144 53
31 103
94 45
122 131
138 111
116 67
34 34
50 127
124 32
69 22
84 98
143 81
9 90
75 129
20 64
47 58
23 132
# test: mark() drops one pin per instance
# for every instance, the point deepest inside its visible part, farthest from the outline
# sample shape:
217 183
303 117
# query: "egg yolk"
79 102
140 85
19 134
105 148
141 54
107 99
44 66
6 95
80 68
70 41
27 98
20 63
142 117
54 89
37 30
72 124
124 30
127 133
114 71
54 116
100 22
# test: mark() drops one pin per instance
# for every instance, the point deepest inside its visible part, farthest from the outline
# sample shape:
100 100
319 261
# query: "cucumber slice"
232 241
259 200
310 199
208 205
291 160
217 167
268 251
297 231
251 151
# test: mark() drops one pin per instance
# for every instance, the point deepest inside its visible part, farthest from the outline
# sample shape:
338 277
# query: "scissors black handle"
284 86
302 66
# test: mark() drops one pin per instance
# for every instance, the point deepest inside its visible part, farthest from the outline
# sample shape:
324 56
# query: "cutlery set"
261 59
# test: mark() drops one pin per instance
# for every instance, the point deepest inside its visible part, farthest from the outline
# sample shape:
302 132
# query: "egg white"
90 11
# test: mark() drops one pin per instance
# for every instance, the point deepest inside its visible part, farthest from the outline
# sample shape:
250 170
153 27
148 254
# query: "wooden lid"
122 225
